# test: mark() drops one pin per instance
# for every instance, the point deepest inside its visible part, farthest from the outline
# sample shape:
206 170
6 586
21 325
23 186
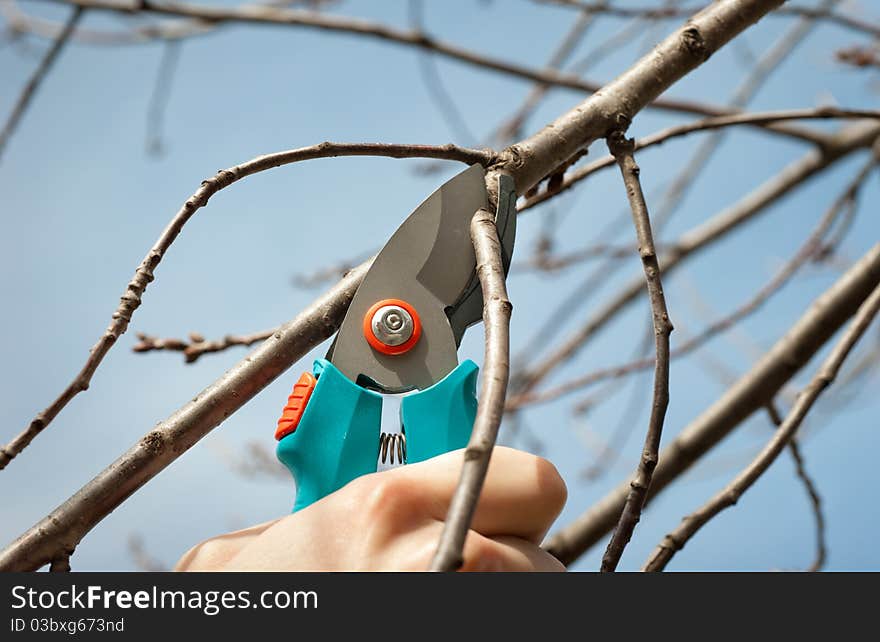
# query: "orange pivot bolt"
392 326
296 405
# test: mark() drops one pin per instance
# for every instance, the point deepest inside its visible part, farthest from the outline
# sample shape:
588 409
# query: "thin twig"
622 150
167 31
660 13
800 469
728 496
433 82
810 249
512 126
131 298
161 95
38 76
763 69
269 15
698 239
196 346
748 395
529 161
496 370
859 56
62 529
676 131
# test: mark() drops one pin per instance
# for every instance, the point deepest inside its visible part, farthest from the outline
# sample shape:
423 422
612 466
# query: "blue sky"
82 202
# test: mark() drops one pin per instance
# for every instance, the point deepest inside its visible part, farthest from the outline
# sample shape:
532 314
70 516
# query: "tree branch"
616 105
676 131
667 12
728 496
815 500
855 137
512 126
762 70
493 386
269 15
131 298
64 527
60 564
528 162
622 150
811 249
749 394
39 74
197 345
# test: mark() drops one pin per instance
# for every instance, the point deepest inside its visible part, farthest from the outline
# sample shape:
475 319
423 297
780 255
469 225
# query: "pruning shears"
398 341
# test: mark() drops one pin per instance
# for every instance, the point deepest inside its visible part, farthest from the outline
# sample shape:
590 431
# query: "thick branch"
535 158
496 370
60 564
622 150
751 393
616 105
729 496
64 527
131 298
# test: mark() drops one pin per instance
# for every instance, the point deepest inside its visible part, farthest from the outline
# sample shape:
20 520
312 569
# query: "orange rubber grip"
296 405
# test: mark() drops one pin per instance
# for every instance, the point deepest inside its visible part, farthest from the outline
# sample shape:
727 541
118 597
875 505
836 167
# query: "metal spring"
391 444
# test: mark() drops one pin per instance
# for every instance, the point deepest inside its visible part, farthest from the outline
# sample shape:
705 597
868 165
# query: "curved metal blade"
429 263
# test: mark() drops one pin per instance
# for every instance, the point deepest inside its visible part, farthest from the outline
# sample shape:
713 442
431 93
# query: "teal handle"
337 438
440 418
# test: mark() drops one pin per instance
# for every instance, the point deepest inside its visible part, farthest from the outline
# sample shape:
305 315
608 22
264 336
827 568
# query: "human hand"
392 521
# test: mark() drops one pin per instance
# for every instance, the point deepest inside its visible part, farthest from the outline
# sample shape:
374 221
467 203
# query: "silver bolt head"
392 325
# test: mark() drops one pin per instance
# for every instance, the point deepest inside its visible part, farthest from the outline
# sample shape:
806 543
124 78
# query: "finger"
214 553
522 494
506 554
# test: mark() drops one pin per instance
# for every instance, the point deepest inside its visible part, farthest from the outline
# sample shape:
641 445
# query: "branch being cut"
493 386
749 394
728 496
39 74
622 150
131 298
